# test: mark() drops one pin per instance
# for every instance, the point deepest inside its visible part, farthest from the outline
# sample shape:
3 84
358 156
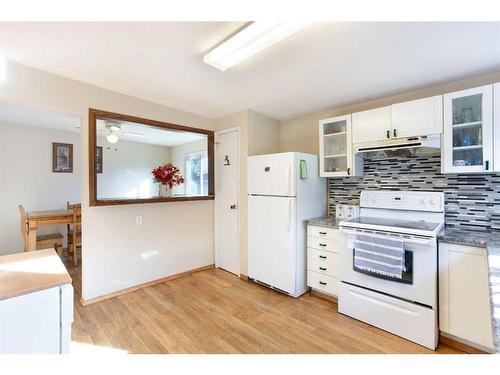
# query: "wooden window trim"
94 114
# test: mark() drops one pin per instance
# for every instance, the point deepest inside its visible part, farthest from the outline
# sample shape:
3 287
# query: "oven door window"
406 277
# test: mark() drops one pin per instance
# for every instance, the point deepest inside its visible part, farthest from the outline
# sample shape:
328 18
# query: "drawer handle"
322 283
322 233
322 268
322 244
322 257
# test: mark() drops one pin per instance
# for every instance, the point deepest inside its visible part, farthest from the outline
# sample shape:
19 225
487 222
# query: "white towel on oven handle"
384 256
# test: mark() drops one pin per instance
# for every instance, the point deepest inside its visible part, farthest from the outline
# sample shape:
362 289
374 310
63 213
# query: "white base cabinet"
324 246
38 322
464 300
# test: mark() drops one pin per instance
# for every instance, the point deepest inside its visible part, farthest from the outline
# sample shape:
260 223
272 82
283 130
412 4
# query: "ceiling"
326 65
49 119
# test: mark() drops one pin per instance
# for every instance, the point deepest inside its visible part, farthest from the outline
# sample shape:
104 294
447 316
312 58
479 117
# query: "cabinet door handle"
348 171
388 134
394 131
323 233
322 257
322 244
322 268
487 165
322 283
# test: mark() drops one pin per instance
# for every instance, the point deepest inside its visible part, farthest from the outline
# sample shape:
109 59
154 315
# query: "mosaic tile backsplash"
472 201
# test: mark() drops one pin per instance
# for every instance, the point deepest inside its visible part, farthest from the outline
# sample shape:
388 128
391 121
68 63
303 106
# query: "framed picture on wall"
98 159
62 157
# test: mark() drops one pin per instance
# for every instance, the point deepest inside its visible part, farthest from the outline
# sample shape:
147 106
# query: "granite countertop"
491 241
465 237
325 221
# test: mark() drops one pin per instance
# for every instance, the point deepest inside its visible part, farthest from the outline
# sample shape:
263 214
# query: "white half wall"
114 247
26 178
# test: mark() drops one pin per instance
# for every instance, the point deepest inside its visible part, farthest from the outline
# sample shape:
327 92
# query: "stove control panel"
403 200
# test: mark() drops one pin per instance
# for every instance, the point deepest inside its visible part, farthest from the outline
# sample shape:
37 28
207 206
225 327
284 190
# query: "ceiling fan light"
112 138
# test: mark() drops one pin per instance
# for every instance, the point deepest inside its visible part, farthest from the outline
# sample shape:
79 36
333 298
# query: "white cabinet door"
496 130
30 324
464 303
468 131
335 147
418 117
372 125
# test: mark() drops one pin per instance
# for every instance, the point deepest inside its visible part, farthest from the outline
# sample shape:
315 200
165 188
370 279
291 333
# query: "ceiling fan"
114 130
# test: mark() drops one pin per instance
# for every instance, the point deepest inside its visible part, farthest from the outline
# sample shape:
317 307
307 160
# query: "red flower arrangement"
167 174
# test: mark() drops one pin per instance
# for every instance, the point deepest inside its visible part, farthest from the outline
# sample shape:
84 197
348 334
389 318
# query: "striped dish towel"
384 256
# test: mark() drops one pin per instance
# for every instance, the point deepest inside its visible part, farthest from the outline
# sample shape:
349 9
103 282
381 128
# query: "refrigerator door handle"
289 179
289 222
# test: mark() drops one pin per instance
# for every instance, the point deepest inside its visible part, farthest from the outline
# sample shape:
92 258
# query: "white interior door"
227 254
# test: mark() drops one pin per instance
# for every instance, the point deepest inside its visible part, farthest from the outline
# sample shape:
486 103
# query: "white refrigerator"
284 191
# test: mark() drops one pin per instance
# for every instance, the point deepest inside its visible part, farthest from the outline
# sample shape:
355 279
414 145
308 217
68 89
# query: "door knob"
233 207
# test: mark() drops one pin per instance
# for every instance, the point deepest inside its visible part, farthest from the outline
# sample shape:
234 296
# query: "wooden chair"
51 239
75 230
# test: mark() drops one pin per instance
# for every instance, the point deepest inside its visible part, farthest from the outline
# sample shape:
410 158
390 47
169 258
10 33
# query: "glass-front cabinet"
468 131
335 147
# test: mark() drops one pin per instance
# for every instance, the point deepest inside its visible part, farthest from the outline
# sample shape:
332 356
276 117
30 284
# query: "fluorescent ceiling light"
249 41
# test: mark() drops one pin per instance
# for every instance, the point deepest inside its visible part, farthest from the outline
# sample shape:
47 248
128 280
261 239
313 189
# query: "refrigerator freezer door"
274 174
272 241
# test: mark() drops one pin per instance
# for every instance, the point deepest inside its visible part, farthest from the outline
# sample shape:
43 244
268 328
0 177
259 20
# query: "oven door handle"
406 240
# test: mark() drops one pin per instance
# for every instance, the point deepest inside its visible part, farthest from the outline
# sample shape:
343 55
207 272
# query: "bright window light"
249 41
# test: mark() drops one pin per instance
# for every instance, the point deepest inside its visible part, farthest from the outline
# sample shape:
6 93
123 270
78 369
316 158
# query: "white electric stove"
405 306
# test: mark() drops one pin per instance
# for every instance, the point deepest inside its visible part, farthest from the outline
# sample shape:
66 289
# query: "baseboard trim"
324 296
455 343
144 285
243 277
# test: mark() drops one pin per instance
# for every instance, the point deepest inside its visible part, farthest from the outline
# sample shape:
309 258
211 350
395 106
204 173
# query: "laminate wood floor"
215 312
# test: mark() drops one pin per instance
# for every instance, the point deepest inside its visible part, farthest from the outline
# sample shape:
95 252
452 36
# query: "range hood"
401 146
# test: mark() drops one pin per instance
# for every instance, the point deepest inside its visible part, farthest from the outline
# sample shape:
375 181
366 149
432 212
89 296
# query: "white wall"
127 169
117 254
263 134
27 178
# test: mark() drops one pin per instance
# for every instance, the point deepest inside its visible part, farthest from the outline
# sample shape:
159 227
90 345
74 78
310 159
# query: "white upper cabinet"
335 147
372 125
418 117
468 131
496 130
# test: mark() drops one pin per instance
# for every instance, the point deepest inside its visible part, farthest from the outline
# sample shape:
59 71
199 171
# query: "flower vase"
163 191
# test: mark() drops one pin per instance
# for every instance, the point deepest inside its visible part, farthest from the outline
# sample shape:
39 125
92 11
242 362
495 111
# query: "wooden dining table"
37 219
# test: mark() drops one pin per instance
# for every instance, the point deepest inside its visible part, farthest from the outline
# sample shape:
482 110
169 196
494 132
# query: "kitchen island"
36 303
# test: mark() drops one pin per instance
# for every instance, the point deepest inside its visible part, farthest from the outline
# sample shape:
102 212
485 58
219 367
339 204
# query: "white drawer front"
322 232
405 319
323 283
324 244
322 256
317 264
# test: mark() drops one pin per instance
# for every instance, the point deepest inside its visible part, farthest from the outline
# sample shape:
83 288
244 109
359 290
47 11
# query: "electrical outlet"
138 220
